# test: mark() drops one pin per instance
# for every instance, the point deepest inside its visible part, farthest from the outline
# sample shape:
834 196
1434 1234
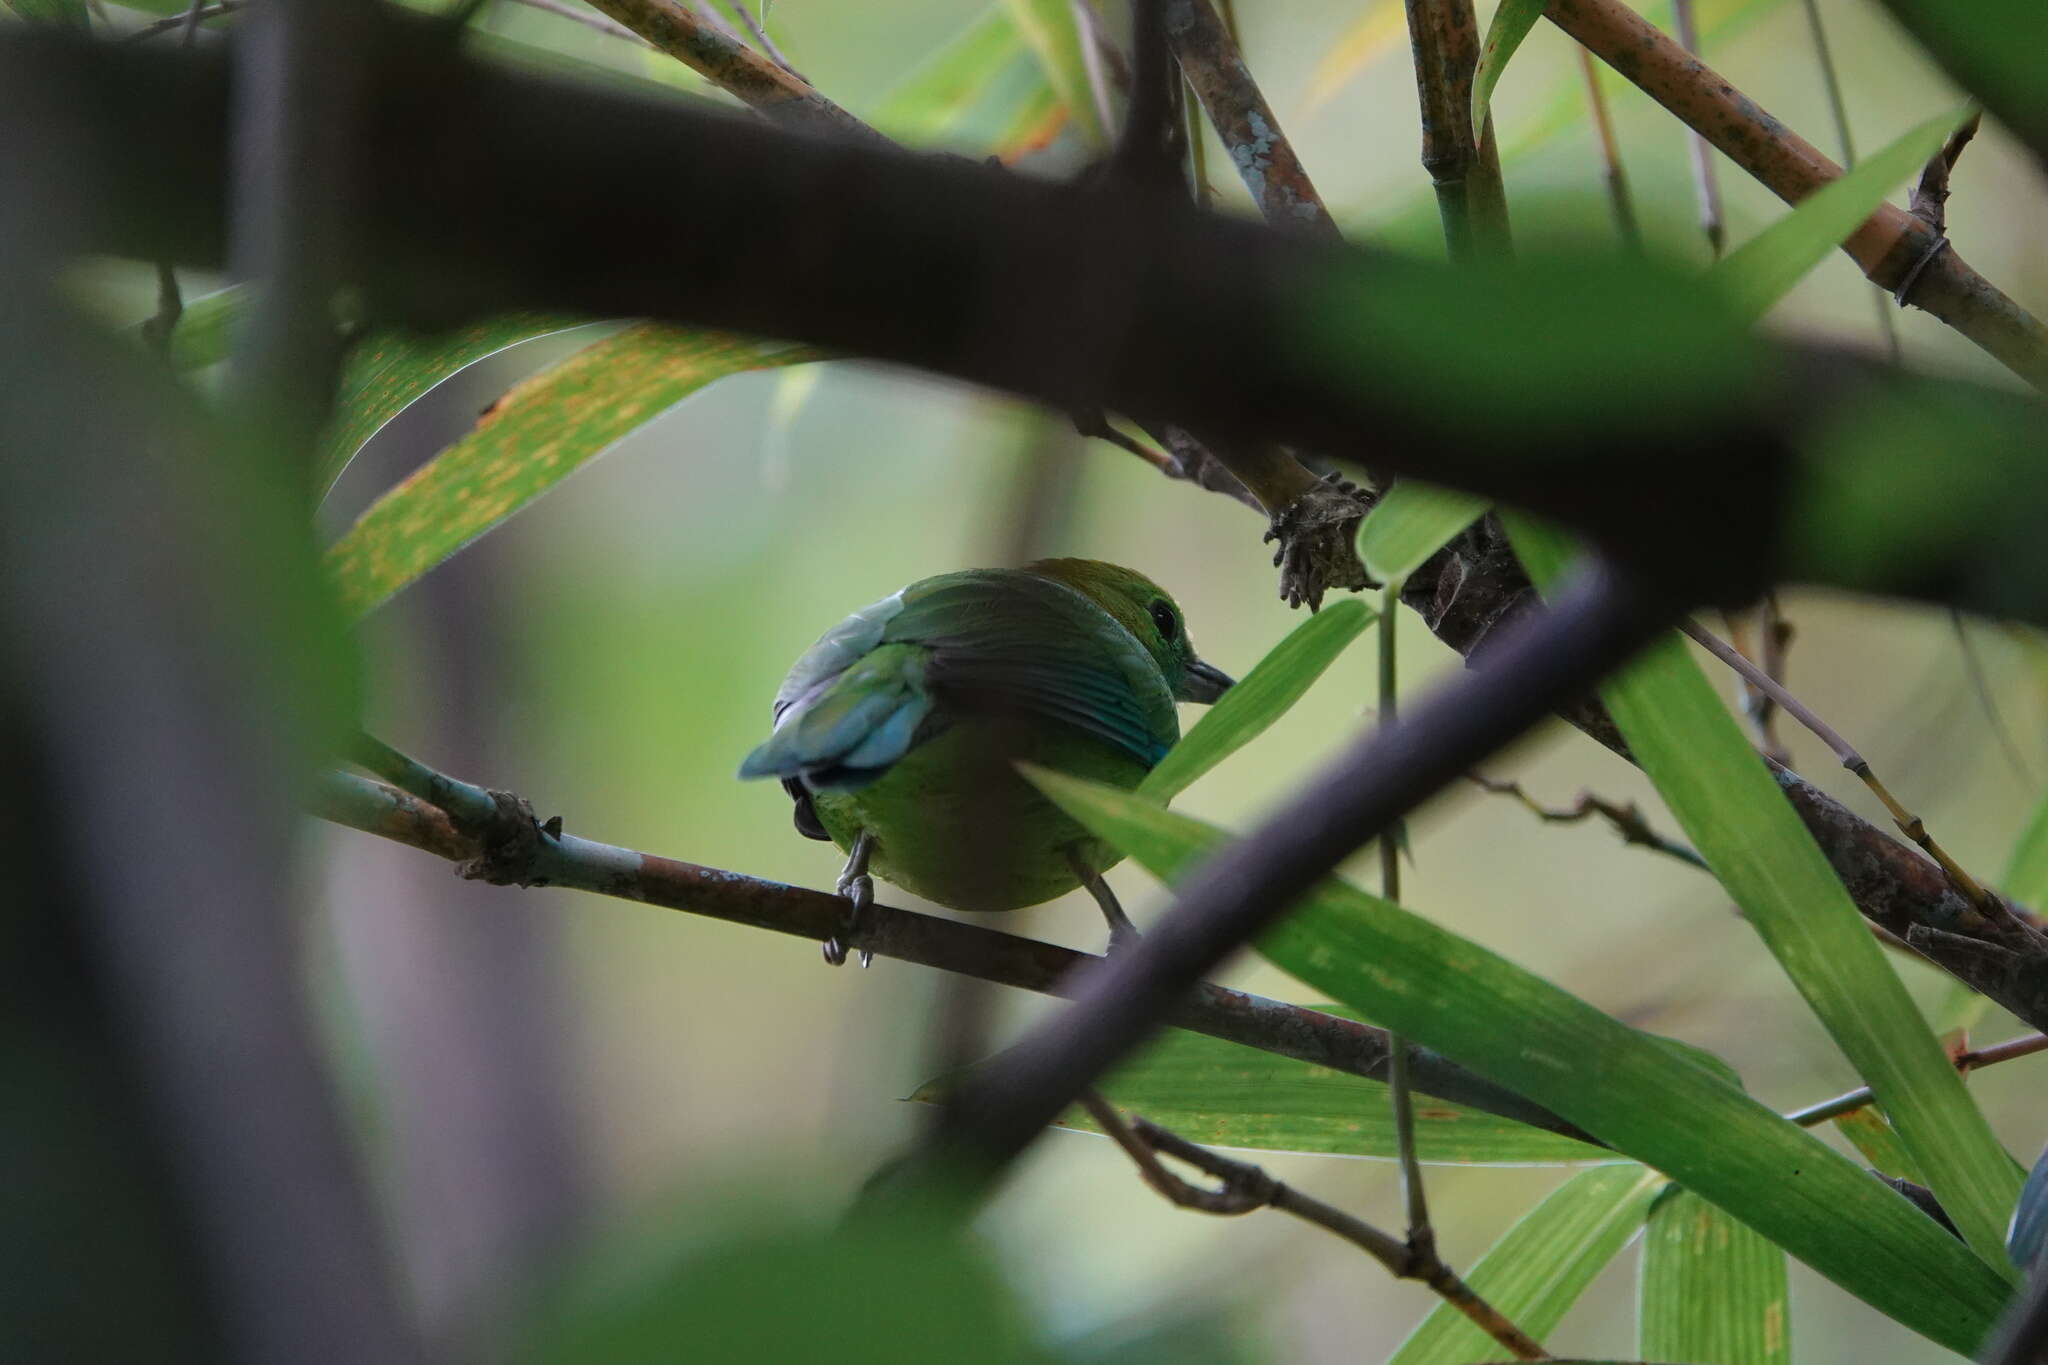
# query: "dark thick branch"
490 190
538 857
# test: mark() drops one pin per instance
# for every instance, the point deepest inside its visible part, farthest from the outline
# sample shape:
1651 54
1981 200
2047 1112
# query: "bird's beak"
1204 682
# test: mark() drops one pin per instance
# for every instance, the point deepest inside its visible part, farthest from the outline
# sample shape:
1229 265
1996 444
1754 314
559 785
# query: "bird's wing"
1020 642
843 731
873 686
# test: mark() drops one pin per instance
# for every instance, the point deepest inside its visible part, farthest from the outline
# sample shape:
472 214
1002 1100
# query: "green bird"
898 733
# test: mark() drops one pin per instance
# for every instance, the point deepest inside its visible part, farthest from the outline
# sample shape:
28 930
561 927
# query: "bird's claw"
859 892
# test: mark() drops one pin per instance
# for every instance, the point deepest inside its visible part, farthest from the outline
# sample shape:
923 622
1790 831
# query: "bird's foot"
859 890
1123 935
1318 542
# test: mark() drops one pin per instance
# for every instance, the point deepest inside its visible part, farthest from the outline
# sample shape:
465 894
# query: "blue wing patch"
884 679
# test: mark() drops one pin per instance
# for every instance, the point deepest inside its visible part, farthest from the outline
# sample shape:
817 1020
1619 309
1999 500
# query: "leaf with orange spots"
388 371
1711 1289
539 433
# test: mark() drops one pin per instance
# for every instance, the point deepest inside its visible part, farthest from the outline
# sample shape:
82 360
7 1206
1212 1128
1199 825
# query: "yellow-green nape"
1148 612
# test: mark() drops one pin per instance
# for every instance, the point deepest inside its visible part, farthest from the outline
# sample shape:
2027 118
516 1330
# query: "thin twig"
1421 1236
1777 635
1706 184
507 847
1909 824
1628 820
1618 199
1838 109
1966 1063
587 17
1980 683
760 35
1246 1188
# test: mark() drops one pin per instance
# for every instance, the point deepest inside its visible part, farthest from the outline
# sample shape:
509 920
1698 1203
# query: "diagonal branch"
1896 250
508 848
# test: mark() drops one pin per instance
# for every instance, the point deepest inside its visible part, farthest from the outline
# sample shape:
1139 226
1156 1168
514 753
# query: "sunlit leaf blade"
531 439
1228 1095
1763 270
1617 1083
1719 792
2029 1237
1379 30
934 97
1411 522
205 330
1054 36
1870 1134
1261 697
1711 1291
389 371
1541 1265
1511 24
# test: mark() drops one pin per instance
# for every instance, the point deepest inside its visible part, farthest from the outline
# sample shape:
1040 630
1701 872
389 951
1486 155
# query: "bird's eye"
1168 623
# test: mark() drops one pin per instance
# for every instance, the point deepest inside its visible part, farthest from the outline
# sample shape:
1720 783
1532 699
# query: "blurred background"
544 1077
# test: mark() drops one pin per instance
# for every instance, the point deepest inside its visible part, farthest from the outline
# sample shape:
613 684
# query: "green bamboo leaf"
1228 1095
1511 23
205 330
1261 697
1871 1134
530 440
389 371
1411 522
1054 36
1711 1291
1541 1265
1617 1083
1763 270
1721 795
938 94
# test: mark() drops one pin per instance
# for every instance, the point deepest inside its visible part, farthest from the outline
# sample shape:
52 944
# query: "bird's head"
1147 611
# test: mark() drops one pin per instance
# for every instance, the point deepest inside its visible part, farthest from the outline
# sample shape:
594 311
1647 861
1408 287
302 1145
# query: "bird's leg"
859 889
1122 933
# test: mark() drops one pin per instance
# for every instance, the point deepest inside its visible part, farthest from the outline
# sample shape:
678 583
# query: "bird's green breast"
955 823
